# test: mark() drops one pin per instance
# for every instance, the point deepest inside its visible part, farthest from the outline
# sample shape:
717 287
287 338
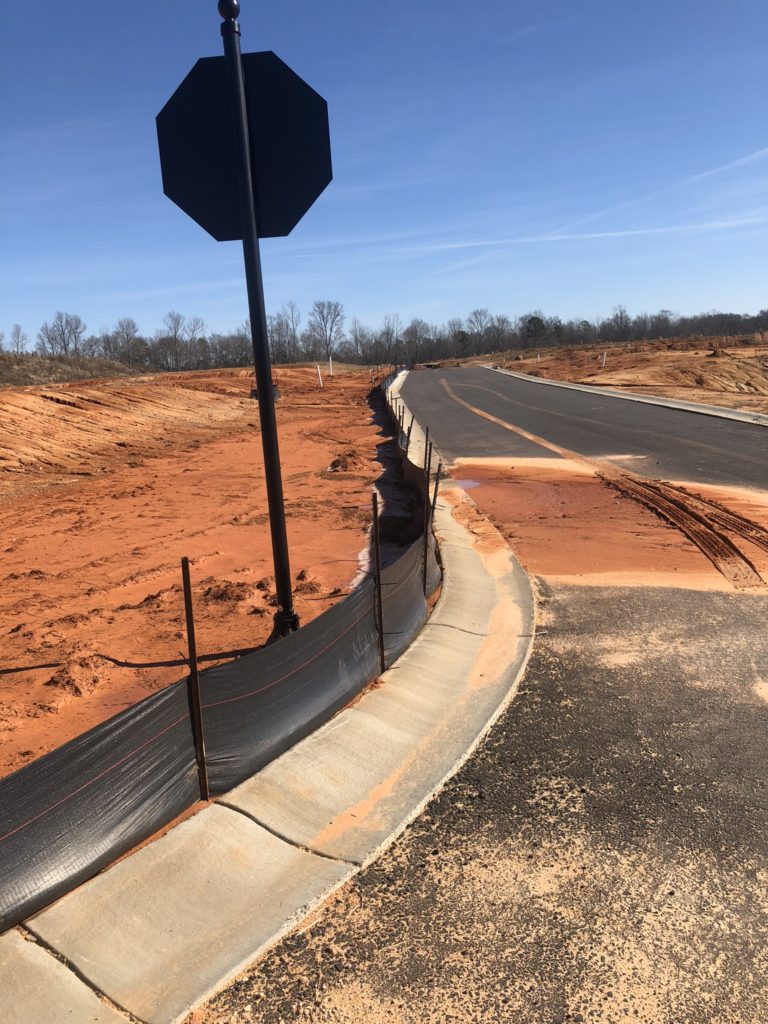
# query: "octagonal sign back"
290 146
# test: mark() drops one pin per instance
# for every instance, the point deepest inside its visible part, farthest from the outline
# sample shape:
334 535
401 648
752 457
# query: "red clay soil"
105 485
735 376
565 523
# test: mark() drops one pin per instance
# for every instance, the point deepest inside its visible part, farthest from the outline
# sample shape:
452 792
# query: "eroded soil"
104 486
733 376
565 522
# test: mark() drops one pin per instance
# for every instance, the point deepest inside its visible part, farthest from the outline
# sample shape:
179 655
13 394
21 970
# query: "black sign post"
275 145
286 619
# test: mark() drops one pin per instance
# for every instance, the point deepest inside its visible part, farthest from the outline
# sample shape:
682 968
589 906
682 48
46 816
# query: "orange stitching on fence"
85 785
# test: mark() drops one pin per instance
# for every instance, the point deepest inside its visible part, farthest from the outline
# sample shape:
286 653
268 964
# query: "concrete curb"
163 930
757 418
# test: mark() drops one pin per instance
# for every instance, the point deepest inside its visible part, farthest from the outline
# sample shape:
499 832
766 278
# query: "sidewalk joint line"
450 625
32 936
287 839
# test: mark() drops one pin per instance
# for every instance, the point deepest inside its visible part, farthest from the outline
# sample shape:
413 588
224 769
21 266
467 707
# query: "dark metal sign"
289 138
245 151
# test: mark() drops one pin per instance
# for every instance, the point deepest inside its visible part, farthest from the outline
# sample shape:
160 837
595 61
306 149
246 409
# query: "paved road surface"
665 443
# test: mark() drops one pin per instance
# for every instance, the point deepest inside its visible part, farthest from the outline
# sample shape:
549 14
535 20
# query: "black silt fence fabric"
69 813
403 601
416 477
257 707
434 571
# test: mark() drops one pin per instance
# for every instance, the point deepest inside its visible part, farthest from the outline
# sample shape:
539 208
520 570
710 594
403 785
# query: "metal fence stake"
194 684
427 468
379 598
408 436
437 484
426 448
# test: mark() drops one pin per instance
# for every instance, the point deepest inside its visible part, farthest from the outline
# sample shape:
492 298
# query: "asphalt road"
603 856
663 443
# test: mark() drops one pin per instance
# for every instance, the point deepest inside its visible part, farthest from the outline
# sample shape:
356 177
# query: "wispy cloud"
540 26
406 249
363 190
583 236
227 284
750 159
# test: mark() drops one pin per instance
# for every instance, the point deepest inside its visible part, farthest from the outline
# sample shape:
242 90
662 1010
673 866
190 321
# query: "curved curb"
758 419
166 928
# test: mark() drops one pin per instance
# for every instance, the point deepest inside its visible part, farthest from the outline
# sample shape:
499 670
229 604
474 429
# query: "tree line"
184 342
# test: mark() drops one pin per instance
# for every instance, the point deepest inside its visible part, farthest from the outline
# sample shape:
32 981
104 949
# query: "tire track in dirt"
690 516
697 518
727 519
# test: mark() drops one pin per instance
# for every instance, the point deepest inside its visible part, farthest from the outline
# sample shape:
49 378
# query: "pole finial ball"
229 9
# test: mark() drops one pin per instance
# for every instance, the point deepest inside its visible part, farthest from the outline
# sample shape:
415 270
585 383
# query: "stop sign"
290 146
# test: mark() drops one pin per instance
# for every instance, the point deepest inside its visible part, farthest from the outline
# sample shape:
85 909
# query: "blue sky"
507 155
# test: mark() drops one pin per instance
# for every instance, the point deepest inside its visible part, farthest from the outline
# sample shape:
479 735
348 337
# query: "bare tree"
194 333
499 333
92 346
279 337
455 331
62 337
478 322
292 318
325 325
170 340
361 341
617 327
586 332
389 338
122 340
18 340
283 334
662 324
233 349
415 336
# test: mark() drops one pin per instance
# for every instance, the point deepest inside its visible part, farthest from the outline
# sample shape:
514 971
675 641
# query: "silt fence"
71 812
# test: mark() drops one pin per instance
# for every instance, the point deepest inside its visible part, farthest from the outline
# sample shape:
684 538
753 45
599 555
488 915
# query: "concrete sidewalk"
159 932
758 418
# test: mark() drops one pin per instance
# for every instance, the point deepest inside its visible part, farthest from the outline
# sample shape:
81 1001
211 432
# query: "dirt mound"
79 676
348 462
306 583
228 591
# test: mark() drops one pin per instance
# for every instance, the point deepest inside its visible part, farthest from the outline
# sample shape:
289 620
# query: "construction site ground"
714 373
106 484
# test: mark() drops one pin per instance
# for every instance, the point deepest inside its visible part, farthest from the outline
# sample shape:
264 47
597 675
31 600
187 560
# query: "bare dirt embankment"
735 376
28 368
104 485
